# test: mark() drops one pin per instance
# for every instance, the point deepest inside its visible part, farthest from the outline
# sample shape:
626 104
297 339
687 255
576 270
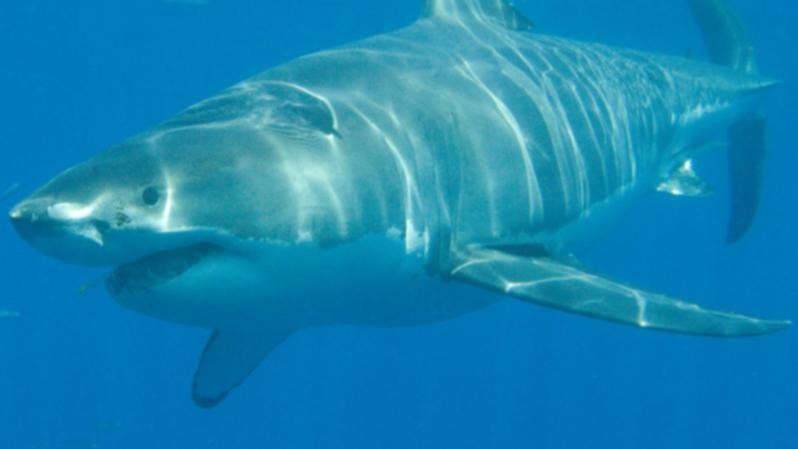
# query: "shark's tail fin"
729 44
725 36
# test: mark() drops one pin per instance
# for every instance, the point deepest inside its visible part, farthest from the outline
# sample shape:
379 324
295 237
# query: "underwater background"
78 371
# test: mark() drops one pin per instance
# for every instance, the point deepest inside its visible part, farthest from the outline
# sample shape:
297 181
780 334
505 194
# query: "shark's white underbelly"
372 281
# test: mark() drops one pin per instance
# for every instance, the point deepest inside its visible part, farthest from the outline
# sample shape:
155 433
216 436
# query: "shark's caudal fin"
726 38
729 44
551 283
747 153
498 12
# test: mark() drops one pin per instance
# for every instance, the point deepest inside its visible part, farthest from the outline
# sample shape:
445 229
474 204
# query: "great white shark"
464 150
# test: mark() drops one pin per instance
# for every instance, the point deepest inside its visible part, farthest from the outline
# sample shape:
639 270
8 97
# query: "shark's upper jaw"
70 233
142 260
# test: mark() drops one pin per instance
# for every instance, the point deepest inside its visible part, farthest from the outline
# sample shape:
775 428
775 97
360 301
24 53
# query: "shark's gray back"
464 130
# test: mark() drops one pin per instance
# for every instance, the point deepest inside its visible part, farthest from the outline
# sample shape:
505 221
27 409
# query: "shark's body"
337 187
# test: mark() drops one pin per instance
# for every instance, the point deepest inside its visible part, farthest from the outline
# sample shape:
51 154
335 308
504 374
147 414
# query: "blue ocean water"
78 371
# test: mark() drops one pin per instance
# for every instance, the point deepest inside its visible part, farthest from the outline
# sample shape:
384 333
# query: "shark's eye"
150 196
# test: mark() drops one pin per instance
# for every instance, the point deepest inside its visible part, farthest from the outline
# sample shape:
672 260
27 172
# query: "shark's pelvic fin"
551 283
228 358
499 12
684 181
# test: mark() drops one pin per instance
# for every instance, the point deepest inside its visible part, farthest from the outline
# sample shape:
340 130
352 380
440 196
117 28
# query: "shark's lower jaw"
149 272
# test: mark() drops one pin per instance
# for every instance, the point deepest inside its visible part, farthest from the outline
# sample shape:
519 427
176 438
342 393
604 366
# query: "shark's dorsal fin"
497 12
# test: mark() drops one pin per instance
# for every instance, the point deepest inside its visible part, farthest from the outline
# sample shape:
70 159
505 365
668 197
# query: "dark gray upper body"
489 133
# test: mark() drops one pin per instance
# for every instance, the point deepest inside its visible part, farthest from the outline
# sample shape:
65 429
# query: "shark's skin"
335 188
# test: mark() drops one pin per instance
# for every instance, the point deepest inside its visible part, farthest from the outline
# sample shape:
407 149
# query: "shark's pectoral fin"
228 358
747 152
551 283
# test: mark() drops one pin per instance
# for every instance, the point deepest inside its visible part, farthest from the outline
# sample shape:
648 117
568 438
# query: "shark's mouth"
156 269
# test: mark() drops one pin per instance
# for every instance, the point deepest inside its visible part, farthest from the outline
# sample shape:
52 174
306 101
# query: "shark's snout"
31 220
95 230
65 231
25 210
